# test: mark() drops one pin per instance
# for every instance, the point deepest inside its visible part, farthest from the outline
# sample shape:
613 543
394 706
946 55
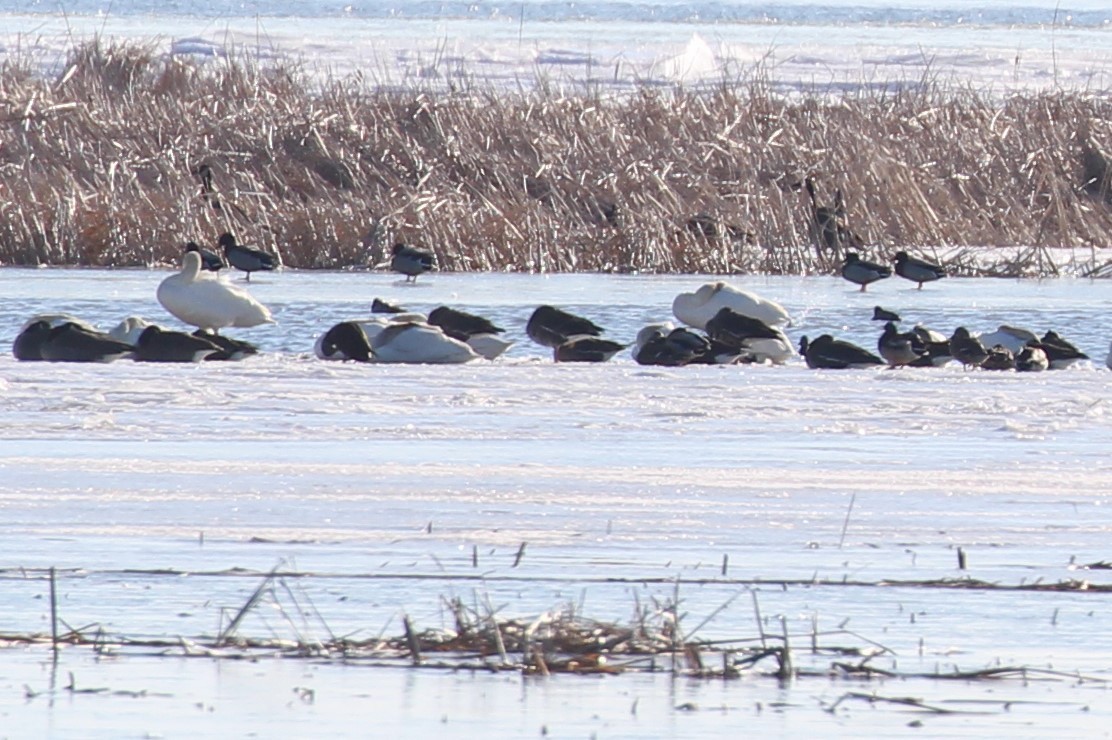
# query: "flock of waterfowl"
722 324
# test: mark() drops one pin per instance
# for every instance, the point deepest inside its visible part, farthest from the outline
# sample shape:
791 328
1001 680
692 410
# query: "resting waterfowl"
899 349
210 261
344 341
549 326
749 336
71 342
863 272
937 346
230 349
696 309
380 306
1031 359
162 345
1011 338
205 302
27 346
586 348
917 270
828 353
129 329
967 349
883 314
411 262
416 343
665 345
999 358
1061 353
247 259
460 324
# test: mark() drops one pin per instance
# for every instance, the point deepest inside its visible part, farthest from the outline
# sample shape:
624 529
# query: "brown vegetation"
129 154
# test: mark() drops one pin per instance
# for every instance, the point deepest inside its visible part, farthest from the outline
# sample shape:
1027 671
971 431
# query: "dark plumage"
733 329
210 261
828 224
230 349
70 342
828 353
999 358
411 262
380 306
883 314
247 259
967 349
460 324
899 349
1059 352
937 348
27 346
1031 359
346 341
161 345
551 327
657 345
862 272
917 270
586 348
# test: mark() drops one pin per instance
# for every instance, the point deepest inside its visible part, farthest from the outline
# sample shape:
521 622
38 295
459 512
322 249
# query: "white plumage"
696 309
207 302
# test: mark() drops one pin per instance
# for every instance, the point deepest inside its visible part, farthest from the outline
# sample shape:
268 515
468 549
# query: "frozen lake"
627 485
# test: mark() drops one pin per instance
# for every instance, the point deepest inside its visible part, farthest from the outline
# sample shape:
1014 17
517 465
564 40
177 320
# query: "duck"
70 342
1011 338
208 303
917 270
967 349
936 344
697 308
665 345
749 336
828 353
27 346
899 349
863 272
156 344
461 323
999 358
411 262
380 306
1031 359
230 349
417 343
1060 352
586 348
210 261
345 341
883 314
247 259
549 326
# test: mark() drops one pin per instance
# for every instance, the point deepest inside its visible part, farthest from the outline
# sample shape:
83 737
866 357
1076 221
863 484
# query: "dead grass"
102 166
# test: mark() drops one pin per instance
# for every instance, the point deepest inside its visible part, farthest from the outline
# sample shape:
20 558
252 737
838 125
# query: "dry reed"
128 154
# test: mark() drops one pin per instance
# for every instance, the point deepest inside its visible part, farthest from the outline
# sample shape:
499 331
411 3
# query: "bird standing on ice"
411 262
244 258
917 270
206 302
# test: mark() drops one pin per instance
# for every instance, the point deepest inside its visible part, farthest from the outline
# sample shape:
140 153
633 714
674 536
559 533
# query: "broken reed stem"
247 606
845 523
53 611
519 556
757 617
412 641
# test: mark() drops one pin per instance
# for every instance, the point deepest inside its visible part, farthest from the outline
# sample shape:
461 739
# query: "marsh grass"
103 166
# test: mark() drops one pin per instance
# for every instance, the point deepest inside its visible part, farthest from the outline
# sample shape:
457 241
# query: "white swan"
490 346
1010 338
420 344
696 309
129 330
206 302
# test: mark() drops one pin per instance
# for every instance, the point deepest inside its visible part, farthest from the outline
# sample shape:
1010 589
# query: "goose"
917 270
749 336
550 326
1031 359
586 348
71 342
862 272
883 314
1010 337
247 259
380 306
230 349
999 358
415 343
411 261
967 349
1059 352
828 353
344 341
696 309
208 303
161 345
210 261
899 349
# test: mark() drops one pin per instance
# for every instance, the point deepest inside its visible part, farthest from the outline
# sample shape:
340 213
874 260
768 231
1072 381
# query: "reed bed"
129 153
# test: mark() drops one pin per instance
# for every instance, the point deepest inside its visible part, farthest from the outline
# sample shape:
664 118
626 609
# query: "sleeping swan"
206 302
696 309
374 340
